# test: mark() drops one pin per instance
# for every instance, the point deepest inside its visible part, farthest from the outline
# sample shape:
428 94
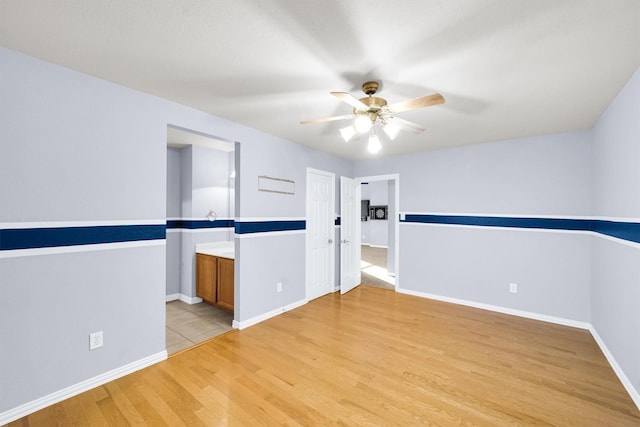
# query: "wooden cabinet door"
225 283
206 276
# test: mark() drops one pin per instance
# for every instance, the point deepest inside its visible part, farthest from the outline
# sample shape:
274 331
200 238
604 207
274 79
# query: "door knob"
345 241
330 241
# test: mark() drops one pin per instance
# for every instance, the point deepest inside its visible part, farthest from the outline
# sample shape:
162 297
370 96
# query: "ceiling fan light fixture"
347 133
374 143
372 111
391 130
363 123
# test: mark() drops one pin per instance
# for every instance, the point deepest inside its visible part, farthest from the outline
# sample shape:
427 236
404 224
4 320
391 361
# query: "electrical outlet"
513 288
95 340
279 287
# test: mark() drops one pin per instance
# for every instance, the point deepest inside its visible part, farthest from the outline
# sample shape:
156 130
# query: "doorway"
380 226
200 212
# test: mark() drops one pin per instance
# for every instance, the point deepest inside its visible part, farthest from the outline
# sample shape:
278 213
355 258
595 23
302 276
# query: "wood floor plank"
370 357
112 414
167 413
75 412
150 416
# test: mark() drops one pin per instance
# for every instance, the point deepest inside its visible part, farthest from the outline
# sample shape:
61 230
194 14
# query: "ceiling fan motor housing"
370 88
373 103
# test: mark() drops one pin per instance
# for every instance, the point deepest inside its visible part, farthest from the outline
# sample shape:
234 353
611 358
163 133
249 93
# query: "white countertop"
220 249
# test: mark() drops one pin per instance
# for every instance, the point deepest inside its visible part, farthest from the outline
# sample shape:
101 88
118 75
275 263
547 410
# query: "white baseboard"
81 387
257 319
172 297
183 298
498 309
190 300
628 385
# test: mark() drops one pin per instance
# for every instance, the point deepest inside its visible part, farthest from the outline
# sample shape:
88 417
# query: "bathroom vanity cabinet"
214 280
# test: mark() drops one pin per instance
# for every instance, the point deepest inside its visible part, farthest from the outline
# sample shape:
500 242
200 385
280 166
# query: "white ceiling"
507 68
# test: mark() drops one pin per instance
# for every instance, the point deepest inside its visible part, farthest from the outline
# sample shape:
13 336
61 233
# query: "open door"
349 234
320 256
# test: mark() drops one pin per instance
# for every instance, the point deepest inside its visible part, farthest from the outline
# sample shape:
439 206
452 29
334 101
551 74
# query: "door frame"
395 177
332 232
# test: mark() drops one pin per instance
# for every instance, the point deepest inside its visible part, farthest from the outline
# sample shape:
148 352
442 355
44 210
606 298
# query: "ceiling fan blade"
350 99
413 104
406 125
327 119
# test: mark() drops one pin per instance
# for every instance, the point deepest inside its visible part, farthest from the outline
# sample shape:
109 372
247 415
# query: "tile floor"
189 324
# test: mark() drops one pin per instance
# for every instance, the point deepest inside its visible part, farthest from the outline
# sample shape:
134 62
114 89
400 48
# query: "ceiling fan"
371 109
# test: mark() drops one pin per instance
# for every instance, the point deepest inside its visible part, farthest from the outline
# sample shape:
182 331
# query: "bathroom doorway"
200 213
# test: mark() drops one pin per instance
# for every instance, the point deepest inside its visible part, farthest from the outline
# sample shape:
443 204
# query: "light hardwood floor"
370 357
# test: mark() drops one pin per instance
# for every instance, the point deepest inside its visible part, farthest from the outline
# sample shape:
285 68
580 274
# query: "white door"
320 257
349 234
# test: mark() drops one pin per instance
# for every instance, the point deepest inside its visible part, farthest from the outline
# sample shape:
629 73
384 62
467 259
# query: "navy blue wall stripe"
622 230
199 224
28 238
493 221
265 226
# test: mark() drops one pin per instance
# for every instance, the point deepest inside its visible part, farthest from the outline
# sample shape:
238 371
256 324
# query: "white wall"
210 186
78 149
174 183
392 221
615 272
365 226
174 210
547 175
